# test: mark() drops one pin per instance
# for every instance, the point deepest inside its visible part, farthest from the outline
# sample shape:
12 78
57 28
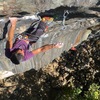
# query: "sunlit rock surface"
80 16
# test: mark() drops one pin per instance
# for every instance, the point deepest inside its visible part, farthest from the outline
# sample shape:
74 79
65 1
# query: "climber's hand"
13 20
59 45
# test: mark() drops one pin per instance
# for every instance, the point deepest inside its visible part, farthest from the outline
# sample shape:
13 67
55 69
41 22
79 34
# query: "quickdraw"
64 18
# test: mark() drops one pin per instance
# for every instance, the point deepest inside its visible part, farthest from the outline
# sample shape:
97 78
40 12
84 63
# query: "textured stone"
73 30
13 7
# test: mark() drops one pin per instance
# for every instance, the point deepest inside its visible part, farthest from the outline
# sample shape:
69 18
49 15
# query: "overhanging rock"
72 31
13 7
70 35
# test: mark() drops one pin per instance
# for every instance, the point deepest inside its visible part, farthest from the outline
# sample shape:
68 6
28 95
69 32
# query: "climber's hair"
16 58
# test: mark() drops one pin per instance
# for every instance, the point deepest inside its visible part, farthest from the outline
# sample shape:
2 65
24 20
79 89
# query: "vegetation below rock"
64 93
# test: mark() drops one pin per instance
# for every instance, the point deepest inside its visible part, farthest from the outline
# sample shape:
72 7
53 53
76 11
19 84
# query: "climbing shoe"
47 20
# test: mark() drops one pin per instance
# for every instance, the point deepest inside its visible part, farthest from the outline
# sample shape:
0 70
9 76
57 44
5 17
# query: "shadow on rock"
72 12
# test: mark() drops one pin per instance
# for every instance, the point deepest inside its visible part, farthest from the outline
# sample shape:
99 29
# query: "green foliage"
69 94
93 93
74 93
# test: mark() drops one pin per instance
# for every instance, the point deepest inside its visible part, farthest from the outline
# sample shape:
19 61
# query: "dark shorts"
34 34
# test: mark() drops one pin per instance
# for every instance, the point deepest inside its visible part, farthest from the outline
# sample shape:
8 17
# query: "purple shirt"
22 45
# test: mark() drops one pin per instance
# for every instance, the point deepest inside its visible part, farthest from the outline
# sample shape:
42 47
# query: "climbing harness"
34 25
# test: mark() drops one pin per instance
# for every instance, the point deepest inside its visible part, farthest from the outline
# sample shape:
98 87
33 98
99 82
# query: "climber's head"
17 56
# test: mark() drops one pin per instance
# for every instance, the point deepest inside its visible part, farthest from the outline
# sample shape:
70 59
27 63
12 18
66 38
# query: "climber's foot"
47 19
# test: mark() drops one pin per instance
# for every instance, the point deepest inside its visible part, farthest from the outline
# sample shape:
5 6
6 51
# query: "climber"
18 51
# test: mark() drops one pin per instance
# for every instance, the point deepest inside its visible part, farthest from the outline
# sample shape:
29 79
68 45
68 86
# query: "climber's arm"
11 32
47 47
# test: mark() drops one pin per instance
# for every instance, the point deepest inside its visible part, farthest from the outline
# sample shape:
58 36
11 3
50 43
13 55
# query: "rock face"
13 7
70 28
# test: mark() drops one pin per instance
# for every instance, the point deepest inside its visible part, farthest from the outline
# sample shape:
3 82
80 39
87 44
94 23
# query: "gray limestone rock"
71 28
